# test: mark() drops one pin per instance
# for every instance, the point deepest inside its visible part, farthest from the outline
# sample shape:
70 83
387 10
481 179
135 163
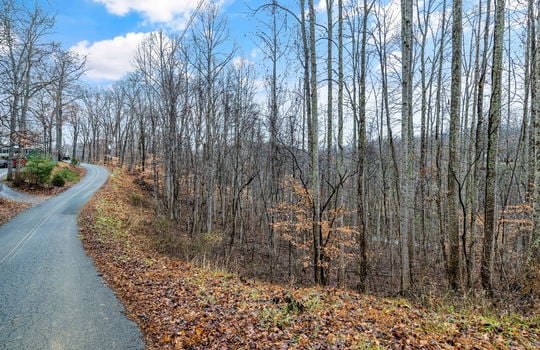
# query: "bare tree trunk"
491 157
454 264
319 275
534 249
340 155
407 151
58 124
360 195
330 86
422 164
479 143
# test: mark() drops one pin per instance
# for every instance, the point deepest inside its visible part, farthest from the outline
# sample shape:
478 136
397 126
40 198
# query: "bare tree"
158 60
453 164
66 71
534 249
361 139
274 46
209 36
23 49
492 146
407 146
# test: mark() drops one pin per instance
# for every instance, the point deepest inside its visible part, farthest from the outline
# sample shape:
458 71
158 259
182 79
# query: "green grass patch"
68 174
275 317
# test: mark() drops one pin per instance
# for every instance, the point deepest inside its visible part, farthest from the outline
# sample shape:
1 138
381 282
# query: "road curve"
7 192
51 296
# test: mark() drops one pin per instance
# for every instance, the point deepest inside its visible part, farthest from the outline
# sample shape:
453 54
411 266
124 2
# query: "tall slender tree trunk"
58 123
12 136
360 200
320 277
407 151
273 122
75 139
439 127
492 147
340 155
479 144
533 275
330 85
453 163
423 123
534 78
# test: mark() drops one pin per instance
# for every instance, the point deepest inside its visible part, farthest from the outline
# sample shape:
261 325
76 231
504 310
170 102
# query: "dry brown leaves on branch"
179 306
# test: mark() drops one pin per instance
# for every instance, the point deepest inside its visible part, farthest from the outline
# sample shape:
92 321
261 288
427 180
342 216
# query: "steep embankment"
180 306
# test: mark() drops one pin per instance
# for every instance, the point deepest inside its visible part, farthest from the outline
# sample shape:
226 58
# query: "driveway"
51 296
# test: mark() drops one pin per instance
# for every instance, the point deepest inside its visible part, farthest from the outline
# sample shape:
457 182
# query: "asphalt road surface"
51 296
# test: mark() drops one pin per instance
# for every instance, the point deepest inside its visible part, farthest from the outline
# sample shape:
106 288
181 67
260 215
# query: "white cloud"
110 59
255 53
239 62
155 11
321 6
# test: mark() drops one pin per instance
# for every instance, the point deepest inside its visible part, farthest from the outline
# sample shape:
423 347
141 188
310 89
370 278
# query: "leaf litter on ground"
180 306
10 208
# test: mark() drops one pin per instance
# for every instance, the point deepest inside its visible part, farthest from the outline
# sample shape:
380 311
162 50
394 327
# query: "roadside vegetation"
179 305
41 175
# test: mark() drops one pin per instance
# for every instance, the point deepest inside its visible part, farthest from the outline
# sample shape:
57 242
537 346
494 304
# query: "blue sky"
108 31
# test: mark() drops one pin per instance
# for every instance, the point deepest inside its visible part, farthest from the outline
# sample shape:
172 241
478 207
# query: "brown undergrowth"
180 306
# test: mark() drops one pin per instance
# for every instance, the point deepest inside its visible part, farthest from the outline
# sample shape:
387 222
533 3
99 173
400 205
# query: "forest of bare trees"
385 146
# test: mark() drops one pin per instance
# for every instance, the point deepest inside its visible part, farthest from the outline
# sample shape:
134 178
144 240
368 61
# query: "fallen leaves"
179 306
10 209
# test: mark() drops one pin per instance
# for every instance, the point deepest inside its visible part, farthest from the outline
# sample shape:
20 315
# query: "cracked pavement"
51 296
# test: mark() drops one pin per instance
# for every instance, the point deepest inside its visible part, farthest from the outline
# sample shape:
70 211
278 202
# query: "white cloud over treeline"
154 11
110 59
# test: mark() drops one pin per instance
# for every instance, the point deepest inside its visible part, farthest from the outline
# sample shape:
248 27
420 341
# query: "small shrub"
275 317
39 168
75 161
137 200
58 180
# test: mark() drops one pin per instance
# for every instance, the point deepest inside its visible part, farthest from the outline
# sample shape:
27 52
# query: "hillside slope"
179 306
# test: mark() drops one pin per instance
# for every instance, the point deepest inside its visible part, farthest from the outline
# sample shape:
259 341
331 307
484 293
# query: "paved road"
51 296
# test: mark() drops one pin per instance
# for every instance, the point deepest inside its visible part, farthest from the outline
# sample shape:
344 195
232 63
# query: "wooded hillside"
180 306
388 149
